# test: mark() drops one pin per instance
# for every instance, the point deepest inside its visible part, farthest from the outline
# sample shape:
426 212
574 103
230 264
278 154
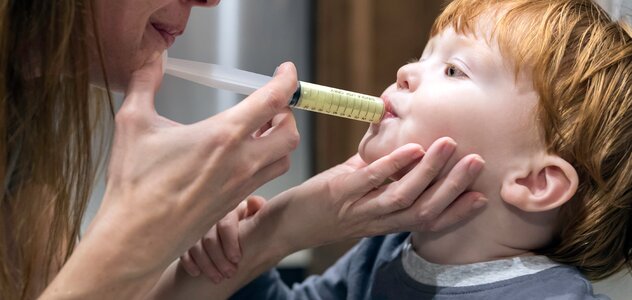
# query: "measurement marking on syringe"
356 108
349 108
364 110
338 102
329 103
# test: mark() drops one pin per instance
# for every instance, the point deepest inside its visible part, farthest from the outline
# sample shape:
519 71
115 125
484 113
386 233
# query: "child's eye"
453 71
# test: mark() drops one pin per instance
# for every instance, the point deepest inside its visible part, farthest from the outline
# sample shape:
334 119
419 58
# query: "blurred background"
356 45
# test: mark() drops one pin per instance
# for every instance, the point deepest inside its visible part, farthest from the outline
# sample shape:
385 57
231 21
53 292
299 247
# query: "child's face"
461 88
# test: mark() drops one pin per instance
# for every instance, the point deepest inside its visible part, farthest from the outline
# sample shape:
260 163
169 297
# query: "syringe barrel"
337 102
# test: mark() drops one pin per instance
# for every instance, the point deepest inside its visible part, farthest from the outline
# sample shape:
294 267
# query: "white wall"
618 9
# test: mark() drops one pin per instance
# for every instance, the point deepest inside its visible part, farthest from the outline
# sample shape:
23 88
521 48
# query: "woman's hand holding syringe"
308 96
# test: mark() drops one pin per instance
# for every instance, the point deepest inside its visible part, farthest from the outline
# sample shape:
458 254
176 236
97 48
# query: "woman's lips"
168 33
211 2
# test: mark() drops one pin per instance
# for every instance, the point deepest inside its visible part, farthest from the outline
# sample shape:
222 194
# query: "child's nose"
407 79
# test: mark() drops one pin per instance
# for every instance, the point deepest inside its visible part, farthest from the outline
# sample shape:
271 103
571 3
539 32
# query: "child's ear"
543 185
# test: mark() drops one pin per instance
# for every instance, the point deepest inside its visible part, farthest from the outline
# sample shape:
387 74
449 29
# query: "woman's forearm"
98 270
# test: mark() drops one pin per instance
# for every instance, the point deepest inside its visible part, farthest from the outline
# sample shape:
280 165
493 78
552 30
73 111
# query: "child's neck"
458 250
493 235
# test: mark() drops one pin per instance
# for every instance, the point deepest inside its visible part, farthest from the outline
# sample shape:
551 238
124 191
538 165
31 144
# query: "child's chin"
369 155
371 150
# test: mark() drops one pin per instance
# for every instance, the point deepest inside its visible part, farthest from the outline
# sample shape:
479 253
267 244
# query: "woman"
167 183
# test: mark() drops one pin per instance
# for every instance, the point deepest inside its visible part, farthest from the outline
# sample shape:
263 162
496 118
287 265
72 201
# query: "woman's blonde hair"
46 126
581 66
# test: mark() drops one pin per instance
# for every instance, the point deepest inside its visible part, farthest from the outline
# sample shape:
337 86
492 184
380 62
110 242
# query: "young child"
542 89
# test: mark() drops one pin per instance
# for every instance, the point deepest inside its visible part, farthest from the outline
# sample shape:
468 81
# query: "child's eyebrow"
475 55
477 61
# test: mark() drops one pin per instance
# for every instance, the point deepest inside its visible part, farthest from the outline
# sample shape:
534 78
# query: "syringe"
308 96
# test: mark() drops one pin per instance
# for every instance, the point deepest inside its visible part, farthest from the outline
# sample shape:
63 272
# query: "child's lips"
389 112
388 115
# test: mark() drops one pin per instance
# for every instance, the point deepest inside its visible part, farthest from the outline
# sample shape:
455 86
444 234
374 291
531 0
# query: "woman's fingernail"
475 166
235 258
448 148
282 68
278 70
479 203
415 150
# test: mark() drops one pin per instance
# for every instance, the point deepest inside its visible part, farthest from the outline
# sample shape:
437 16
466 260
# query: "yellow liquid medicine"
337 102
308 96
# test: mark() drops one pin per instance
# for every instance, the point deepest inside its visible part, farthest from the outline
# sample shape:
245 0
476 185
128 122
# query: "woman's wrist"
270 231
259 247
114 257
283 226
98 270
262 248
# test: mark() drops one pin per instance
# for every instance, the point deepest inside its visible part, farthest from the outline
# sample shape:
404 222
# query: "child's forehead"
480 51
491 28
479 31
479 39
479 45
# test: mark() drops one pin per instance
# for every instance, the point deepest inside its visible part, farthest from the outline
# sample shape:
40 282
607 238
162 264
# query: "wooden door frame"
360 45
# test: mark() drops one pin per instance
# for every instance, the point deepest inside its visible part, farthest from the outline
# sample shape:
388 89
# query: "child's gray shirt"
385 267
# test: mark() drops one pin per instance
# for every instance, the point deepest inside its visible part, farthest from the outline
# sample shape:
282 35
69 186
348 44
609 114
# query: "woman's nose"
407 78
207 3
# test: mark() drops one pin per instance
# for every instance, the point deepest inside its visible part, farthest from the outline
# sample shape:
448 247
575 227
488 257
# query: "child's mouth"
388 109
